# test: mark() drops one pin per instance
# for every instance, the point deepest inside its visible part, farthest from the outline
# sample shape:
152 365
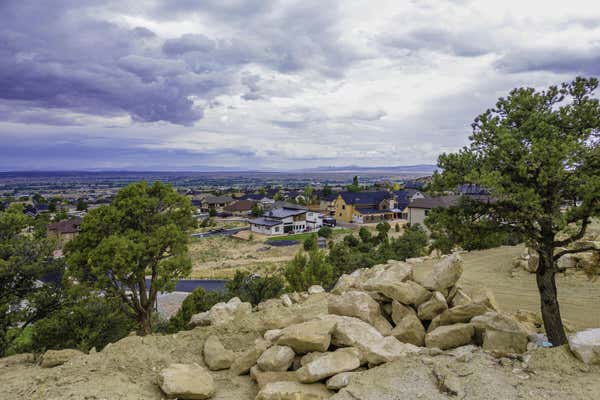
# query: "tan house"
365 207
64 230
418 209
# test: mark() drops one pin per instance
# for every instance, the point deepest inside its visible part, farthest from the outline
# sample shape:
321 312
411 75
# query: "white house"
281 220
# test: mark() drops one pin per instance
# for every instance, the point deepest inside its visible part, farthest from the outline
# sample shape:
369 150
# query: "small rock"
244 361
339 381
262 378
329 364
54 358
315 289
450 336
314 335
273 334
186 381
286 300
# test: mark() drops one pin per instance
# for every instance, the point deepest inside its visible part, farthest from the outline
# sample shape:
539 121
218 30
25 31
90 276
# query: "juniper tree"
537 153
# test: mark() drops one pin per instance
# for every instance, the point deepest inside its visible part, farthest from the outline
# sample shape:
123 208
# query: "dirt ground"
579 298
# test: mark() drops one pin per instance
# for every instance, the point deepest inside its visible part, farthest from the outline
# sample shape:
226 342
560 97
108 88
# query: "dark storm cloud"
559 60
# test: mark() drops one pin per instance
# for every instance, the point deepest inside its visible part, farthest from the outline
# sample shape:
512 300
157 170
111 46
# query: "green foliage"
81 205
257 210
411 243
383 228
85 320
24 259
310 243
325 232
142 233
307 269
365 235
355 186
254 288
326 191
537 152
397 227
212 212
351 241
196 302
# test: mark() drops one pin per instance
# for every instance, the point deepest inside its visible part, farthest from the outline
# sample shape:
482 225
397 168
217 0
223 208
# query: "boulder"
408 293
355 304
486 297
410 330
216 356
460 298
222 313
263 378
186 381
329 364
450 336
293 391
586 345
315 289
346 282
286 300
386 350
273 334
445 274
269 303
244 361
339 381
504 341
498 322
396 272
432 307
276 358
309 357
314 335
531 321
54 358
567 261
399 311
458 314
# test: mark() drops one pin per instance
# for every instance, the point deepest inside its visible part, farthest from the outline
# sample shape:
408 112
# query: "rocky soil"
381 334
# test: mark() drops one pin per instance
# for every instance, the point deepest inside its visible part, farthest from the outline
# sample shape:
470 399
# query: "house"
284 220
404 197
218 203
327 204
64 230
469 189
365 207
418 209
240 207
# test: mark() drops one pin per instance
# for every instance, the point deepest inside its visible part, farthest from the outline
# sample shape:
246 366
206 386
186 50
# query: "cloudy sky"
262 84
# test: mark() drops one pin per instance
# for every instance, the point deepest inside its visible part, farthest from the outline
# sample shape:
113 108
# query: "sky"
269 84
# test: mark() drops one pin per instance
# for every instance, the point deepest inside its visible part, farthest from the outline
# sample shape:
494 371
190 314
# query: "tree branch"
574 251
575 237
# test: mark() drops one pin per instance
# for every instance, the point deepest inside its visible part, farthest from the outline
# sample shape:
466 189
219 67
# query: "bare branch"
573 251
575 237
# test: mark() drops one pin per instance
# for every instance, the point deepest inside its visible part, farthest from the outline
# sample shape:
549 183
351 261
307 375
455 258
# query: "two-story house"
280 221
365 207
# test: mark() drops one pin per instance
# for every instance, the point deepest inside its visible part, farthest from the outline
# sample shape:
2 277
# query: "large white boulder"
329 364
513 338
186 381
314 335
586 345
445 274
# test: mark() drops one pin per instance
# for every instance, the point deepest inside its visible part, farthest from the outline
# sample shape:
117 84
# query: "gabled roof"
66 226
281 213
292 206
240 205
403 197
433 202
371 198
252 196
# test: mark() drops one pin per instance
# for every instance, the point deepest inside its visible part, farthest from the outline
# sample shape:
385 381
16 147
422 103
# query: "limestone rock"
408 293
273 334
410 330
387 349
346 282
263 378
486 297
567 261
460 298
447 381
445 274
186 381
314 335
276 358
355 304
309 357
244 361
450 336
504 341
222 313
382 325
399 311
458 314
397 272
329 364
293 391
315 289
286 300
216 356
54 358
432 307
339 381
586 345
498 322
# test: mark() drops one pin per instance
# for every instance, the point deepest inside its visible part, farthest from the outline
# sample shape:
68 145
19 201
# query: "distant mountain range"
397 169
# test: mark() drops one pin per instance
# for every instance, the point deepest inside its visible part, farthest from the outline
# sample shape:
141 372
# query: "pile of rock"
373 316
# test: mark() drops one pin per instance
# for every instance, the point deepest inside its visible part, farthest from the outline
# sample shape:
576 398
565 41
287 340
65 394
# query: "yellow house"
363 207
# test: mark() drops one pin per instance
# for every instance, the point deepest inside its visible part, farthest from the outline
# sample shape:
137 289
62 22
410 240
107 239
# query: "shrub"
253 288
198 301
310 243
307 269
364 235
325 232
411 243
397 227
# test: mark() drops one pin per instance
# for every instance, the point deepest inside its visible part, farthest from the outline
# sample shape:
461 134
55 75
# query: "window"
276 229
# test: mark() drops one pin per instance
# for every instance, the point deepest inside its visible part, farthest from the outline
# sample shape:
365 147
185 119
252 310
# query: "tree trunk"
145 321
546 283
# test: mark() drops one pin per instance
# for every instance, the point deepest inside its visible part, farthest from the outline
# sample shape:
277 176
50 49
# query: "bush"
310 243
307 269
411 243
365 235
351 240
325 232
89 321
397 228
198 301
253 288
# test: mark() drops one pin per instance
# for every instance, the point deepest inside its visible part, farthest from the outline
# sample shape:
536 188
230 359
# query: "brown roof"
433 202
66 226
240 205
